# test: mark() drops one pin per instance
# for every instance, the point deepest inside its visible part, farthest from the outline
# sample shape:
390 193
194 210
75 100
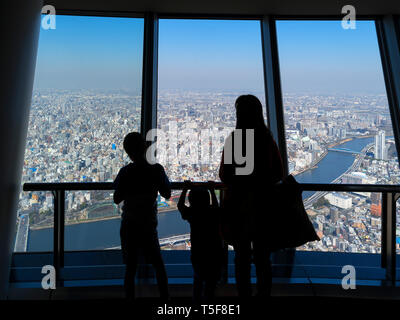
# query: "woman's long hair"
249 113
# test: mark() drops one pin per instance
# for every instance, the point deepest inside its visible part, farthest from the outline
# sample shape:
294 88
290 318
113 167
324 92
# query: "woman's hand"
187 184
211 185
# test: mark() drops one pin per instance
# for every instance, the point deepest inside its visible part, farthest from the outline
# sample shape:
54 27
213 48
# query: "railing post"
58 233
388 254
224 269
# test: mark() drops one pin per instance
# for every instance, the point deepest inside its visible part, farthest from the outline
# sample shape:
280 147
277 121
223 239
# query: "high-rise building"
380 147
376 204
334 213
342 133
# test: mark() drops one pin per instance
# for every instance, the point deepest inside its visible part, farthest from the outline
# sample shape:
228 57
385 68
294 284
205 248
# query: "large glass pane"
204 65
87 97
338 125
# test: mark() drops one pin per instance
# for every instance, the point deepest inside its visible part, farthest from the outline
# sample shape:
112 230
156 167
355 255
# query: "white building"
339 200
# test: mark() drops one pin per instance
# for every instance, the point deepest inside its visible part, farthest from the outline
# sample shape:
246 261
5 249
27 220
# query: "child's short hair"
134 144
199 196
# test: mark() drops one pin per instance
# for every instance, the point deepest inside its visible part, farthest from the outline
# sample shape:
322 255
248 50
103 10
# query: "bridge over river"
172 240
344 150
354 167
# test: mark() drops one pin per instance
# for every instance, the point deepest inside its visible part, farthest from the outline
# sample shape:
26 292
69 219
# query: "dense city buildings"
322 124
77 136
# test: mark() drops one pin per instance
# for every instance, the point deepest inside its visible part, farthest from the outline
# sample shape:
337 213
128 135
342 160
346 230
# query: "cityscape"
76 136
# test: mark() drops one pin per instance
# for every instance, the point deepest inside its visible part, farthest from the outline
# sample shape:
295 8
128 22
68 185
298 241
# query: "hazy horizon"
316 57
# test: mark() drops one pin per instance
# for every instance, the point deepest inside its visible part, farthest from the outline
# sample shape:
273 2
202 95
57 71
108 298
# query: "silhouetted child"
138 184
205 238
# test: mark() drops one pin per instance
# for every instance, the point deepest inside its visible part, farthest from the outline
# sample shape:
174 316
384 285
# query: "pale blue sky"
315 56
90 52
321 56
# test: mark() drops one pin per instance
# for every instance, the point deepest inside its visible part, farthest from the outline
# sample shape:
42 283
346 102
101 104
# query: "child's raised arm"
165 185
214 200
183 209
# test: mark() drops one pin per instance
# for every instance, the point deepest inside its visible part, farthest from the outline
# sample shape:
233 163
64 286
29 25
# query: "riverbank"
339 142
314 165
105 234
98 235
68 223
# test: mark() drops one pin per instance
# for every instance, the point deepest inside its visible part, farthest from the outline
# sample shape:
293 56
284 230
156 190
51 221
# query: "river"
105 234
102 234
333 165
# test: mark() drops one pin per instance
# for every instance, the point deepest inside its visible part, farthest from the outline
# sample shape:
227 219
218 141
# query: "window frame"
387 29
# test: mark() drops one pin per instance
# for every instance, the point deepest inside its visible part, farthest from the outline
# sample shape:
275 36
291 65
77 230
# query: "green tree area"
82 206
47 212
320 203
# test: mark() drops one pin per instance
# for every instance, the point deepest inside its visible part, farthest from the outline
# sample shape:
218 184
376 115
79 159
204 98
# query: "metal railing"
390 194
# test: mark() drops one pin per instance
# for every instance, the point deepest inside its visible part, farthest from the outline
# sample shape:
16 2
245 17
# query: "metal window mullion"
272 84
149 74
389 46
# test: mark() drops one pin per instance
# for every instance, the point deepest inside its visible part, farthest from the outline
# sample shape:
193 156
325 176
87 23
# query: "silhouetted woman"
249 199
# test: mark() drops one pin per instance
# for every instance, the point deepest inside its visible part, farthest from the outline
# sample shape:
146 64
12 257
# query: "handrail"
53 186
390 194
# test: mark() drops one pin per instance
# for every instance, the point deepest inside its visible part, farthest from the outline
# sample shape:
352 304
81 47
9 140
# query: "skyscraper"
376 204
380 147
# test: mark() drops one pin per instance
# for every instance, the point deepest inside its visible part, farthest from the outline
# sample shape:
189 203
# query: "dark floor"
282 307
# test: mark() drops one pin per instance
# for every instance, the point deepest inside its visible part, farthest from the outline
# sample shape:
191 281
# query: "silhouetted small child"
205 237
137 185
